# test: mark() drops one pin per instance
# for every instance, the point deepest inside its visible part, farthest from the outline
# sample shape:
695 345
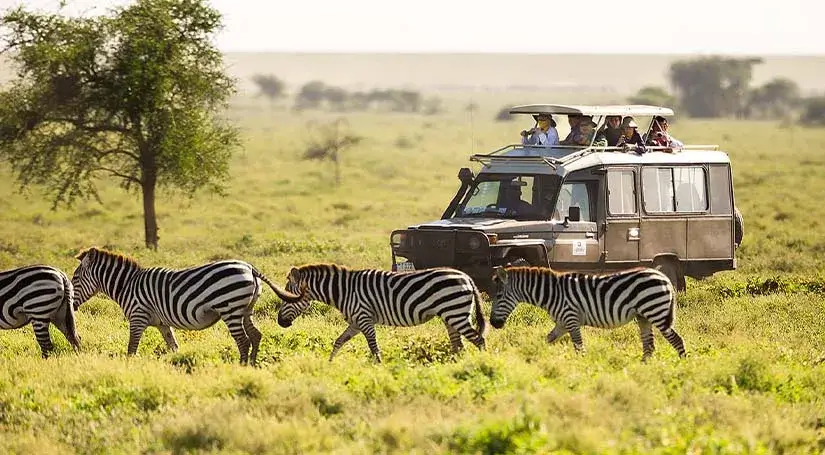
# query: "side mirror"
574 213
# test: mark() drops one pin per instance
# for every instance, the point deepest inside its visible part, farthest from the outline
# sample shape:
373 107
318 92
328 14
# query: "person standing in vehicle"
544 134
659 136
612 130
630 138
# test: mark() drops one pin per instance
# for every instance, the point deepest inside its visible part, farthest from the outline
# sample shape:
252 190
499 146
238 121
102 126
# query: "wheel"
672 269
738 226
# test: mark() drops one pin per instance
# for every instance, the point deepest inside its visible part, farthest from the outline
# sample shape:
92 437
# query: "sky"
738 27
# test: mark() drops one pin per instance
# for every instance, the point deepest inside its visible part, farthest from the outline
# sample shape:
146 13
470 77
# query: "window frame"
636 187
672 168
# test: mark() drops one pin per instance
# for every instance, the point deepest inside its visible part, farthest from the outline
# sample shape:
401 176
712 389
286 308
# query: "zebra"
402 299
194 298
606 301
38 294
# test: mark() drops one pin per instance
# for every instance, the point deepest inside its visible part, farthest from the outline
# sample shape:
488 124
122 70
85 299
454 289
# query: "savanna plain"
753 381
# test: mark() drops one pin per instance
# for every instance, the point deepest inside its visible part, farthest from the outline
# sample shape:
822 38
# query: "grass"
752 383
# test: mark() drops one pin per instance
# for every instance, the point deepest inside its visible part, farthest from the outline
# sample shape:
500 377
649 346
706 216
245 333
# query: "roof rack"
579 152
594 110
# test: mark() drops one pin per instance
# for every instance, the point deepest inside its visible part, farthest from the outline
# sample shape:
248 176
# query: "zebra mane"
109 254
533 270
322 267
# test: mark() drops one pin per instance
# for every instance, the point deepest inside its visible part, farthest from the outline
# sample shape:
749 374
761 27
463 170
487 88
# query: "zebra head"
86 283
506 298
296 284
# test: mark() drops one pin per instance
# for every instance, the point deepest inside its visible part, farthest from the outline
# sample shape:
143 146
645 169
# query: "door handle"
633 233
589 235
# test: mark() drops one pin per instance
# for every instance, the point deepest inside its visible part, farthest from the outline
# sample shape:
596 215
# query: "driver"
513 201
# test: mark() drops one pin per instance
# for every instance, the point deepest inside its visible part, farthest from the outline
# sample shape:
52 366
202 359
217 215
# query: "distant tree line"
712 87
317 95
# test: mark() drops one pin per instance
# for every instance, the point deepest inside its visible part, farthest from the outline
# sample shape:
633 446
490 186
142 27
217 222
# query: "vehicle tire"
738 226
673 270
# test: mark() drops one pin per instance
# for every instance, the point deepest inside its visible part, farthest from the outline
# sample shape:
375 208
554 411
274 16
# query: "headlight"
474 243
397 239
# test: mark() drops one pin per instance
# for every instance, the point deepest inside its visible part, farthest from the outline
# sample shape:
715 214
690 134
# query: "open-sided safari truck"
584 208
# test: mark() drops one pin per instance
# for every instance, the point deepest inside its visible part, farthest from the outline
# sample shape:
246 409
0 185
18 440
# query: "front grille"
434 248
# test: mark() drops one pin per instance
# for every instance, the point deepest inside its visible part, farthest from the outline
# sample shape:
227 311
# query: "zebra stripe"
38 294
607 301
368 297
194 298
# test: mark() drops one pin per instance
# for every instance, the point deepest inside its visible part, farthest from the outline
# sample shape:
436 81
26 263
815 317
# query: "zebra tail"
482 324
282 294
671 315
68 308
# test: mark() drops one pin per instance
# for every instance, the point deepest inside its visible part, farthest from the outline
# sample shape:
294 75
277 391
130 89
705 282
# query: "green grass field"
753 382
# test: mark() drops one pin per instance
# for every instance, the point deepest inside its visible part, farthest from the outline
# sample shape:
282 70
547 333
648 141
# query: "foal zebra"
194 298
38 294
369 297
607 301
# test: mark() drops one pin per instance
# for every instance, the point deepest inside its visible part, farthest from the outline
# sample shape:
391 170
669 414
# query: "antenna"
471 108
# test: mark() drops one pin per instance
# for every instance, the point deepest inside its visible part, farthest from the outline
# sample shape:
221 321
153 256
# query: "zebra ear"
84 253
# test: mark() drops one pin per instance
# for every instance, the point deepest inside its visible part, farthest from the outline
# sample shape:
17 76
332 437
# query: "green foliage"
753 381
713 86
655 96
270 86
135 96
813 111
778 98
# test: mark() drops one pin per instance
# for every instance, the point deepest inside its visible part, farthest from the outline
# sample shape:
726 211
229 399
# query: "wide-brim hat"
537 116
628 122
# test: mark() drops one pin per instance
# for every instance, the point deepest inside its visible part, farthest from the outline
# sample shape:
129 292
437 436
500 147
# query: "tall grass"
752 383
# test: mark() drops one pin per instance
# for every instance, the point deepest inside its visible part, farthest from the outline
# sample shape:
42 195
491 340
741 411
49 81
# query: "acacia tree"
134 95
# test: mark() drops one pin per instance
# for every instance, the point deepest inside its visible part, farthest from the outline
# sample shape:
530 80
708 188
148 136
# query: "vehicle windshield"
525 197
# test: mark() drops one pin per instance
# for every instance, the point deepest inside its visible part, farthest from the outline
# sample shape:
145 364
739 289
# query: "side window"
691 191
573 194
657 189
621 192
677 189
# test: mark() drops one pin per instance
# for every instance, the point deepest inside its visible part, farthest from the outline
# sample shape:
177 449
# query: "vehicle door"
663 227
576 245
710 230
622 218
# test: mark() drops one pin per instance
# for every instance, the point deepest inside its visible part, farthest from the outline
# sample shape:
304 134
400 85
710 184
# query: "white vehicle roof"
571 109
562 162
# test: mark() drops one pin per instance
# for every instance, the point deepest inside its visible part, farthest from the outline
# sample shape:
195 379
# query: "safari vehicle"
584 208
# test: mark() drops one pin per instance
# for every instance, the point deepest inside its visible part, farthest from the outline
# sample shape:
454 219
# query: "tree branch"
128 178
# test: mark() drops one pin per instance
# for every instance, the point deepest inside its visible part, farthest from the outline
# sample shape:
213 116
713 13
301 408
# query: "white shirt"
539 137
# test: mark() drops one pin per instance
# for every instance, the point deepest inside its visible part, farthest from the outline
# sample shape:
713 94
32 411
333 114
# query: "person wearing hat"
612 130
659 136
588 134
544 133
574 137
630 136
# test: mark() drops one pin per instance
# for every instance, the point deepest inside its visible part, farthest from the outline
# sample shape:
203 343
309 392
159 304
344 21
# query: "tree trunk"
150 222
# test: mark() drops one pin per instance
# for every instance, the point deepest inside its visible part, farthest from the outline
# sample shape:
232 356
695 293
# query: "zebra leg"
675 340
368 329
463 326
455 338
235 325
137 325
41 333
571 325
557 332
169 337
254 337
350 332
646 333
